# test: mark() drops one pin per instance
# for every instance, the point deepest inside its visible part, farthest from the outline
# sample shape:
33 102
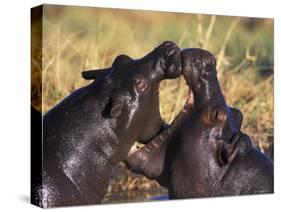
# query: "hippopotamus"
204 153
93 129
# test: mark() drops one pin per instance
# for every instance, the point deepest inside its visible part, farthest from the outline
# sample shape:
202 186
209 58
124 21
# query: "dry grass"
80 39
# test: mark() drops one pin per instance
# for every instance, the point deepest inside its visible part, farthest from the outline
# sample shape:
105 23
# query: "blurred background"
82 38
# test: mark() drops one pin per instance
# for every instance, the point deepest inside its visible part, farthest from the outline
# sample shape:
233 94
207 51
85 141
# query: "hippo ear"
238 117
113 108
121 60
95 74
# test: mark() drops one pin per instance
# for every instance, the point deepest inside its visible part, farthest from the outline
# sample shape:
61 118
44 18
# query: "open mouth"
157 121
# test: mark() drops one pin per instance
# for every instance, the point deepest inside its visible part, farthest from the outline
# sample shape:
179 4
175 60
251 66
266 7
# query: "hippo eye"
218 115
140 84
215 114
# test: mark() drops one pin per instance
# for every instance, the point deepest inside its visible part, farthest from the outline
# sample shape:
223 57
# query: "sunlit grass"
77 39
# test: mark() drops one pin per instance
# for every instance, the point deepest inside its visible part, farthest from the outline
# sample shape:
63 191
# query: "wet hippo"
93 129
204 153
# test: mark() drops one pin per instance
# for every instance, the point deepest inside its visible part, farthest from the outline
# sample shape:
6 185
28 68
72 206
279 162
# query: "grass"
77 39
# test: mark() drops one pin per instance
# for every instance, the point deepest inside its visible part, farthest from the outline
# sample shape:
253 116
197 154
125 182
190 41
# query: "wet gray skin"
203 153
93 129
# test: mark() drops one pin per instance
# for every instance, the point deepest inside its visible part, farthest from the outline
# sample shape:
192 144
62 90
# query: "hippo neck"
208 93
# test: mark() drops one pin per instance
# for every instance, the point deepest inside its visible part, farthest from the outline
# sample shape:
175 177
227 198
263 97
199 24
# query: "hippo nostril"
169 53
170 61
166 57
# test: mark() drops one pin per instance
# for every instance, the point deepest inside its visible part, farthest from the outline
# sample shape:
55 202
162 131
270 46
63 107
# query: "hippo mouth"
157 123
171 64
169 61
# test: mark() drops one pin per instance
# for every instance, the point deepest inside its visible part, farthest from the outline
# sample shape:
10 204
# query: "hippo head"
214 128
133 89
218 158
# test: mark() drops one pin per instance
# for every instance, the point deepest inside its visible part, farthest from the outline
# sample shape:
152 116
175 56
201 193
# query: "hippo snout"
197 62
170 60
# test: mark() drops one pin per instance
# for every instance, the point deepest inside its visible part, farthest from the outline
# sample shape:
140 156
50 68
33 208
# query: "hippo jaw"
167 65
134 103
